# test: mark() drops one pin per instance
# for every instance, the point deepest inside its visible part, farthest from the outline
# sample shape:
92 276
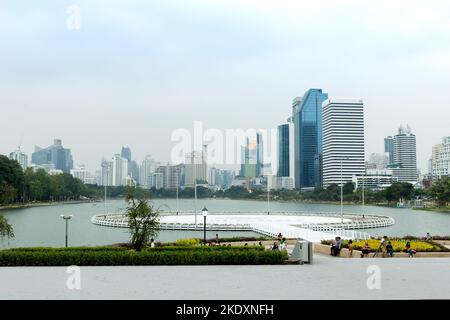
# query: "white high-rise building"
119 170
405 156
440 161
81 173
342 139
196 165
148 167
20 157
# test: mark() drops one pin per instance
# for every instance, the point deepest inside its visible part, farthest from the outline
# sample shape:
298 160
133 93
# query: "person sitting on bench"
336 247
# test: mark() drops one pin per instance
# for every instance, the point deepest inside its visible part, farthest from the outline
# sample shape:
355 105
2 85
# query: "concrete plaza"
327 278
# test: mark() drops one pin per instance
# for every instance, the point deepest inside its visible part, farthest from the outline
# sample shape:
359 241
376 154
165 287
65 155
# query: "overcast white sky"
137 70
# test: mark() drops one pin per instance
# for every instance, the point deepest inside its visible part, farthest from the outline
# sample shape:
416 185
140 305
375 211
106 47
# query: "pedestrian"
275 246
428 237
152 243
260 244
283 244
280 236
390 249
383 245
365 250
409 250
350 248
336 246
217 238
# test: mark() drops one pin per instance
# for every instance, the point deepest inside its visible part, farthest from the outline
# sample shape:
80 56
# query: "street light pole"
342 197
67 218
205 214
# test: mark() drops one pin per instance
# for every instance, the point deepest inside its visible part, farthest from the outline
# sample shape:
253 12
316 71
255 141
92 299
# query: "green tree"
143 220
6 230
440 190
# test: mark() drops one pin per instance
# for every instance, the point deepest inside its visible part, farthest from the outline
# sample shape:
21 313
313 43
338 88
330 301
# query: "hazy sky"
137 70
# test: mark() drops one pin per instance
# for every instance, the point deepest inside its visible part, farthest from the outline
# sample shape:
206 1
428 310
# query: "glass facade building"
283 151
307 112
55 155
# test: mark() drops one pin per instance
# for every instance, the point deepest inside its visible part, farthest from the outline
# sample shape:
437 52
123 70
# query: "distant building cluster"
322 143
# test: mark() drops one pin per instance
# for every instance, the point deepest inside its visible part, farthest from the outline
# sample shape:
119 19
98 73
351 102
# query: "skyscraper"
259 154
283 150
147 169
20 157
170 176
126 153
119 170
196 168
343 140
405 156
389 149
55 155
307 113
441 159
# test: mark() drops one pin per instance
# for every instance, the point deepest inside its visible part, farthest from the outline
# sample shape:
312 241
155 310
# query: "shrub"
398 245
154 256
187 242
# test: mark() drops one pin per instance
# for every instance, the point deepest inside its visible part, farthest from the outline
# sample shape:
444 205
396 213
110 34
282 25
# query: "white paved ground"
328 278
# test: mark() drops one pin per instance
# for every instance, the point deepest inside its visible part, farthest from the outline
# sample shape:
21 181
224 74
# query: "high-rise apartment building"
196 168
20 157
307 115
119 171
343 140
283 151
170 176
405 156
440 161
147 168
55 155
81 173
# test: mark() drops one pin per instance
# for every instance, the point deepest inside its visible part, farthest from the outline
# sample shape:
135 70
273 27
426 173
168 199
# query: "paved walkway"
328 278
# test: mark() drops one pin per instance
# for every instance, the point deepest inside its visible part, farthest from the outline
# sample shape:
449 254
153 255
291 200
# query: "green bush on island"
107 256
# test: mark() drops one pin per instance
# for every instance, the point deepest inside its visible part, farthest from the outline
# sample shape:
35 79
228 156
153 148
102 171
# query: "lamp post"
66 218
205 214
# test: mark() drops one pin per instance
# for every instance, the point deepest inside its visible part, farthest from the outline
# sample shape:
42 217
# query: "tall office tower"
20 157
440 160
307 114
195 168
343 140
259 154
389 149
147 169
126 153
55 155
283 151
119 170
249 162
170 176
405 156
133 171
107 173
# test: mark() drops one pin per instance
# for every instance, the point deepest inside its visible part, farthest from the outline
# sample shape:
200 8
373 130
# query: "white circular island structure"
311 226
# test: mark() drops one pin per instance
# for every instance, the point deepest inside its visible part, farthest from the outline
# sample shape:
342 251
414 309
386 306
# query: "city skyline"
181 64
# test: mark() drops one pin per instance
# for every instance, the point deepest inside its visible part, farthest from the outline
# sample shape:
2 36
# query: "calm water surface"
42 226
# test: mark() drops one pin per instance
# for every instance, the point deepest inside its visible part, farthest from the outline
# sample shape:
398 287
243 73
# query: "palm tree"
143 220
6 230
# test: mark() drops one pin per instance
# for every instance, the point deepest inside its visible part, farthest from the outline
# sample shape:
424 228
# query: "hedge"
117 257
